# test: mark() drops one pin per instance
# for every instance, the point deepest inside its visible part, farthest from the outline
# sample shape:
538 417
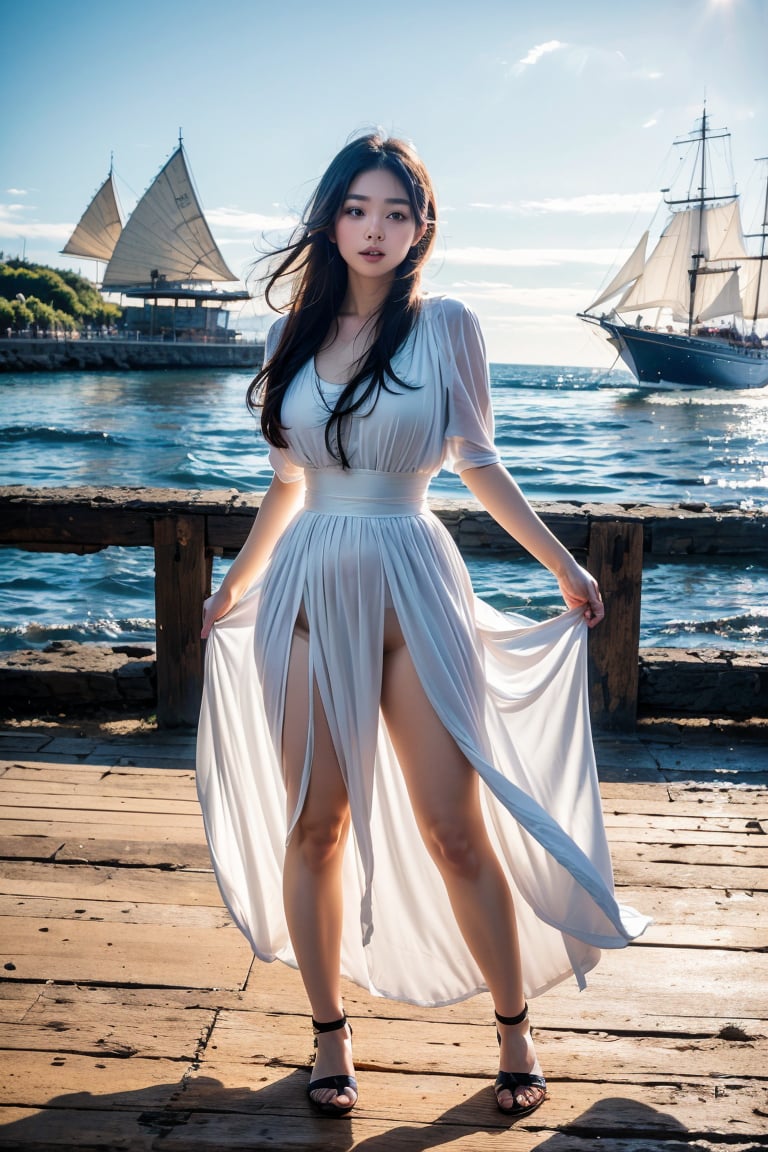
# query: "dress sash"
361 492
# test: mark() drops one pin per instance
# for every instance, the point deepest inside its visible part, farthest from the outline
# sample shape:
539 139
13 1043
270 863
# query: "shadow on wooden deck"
133 1015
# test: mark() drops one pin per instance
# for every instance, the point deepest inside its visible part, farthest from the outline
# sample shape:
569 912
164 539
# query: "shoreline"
43 354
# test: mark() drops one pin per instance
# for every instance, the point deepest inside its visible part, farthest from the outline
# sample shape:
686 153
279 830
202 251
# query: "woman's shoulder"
273 334
449 308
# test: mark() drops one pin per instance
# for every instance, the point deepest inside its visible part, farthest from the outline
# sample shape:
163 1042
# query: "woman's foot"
333 1088
521 1091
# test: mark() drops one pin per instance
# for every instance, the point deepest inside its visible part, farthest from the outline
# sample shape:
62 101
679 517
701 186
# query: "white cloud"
529 257
14 225
17 191
535 54
565 300
250 222
591 204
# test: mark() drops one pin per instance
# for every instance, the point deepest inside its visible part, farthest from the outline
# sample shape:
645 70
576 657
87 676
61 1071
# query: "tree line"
34 296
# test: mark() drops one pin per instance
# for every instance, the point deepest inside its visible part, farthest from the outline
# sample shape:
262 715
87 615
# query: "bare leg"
451 823
312 877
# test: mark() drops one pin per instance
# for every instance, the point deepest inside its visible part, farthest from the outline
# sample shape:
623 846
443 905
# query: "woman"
408 765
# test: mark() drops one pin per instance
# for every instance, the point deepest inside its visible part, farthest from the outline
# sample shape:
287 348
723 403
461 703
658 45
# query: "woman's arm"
499 494
279 504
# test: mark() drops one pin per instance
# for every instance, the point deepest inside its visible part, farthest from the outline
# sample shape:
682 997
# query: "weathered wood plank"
635 873
28 847
615 557
16 1000
86 826
74 1023
695 1105
141 780
33 1079
113 790
68 774
693 992
77 1129
147 855
89 850
100 810
663 823
83 882
182 581
702 907
70 950
112 912
470 1049
138 1132
750 840
616 1000
107 998
739 857
627 792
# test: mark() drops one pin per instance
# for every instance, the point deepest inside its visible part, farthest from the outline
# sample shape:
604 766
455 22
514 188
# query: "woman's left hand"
578 588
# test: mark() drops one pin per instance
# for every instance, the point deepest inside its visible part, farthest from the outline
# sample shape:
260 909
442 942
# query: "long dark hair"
310 261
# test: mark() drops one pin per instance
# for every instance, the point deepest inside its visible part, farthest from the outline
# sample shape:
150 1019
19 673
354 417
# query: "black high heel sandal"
338 1083
512 1081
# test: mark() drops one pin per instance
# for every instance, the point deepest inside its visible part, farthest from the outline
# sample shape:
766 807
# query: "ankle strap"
332 1026
509 1020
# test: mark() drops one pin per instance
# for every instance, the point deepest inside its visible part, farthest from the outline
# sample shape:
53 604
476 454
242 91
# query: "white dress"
512 693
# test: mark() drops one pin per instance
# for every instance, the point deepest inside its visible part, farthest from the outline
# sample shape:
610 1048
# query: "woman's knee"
454 845
321 840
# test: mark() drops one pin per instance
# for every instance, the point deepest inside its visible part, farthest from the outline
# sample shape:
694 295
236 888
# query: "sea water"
565 434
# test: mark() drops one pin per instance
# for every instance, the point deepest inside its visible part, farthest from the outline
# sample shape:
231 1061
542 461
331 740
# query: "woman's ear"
418 235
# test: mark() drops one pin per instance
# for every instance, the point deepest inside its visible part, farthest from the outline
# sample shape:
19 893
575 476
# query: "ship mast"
763 236
704 136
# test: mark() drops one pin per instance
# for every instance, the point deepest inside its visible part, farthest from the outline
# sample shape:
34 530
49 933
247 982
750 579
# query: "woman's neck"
364 297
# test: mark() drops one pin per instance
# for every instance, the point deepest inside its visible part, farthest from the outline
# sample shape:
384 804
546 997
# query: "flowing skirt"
513 694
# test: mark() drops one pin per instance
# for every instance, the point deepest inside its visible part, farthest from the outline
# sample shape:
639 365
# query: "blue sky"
547 126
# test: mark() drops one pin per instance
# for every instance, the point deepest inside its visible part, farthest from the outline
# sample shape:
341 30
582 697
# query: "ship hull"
694 362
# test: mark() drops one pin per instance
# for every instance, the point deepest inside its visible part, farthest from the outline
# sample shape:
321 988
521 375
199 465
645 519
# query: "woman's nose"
375 230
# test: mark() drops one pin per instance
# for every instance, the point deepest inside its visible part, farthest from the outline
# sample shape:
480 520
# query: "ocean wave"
32 634
49 434
748 628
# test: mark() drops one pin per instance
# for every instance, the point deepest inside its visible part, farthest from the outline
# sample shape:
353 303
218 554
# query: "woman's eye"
354 211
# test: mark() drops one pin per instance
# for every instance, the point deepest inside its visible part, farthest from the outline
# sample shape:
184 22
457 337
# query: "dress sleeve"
469 433
284 468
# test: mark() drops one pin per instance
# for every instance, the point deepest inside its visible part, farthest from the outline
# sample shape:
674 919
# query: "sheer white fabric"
512 693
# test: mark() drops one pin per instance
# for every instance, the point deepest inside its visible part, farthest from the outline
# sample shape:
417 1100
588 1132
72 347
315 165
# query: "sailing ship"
165 251
698 275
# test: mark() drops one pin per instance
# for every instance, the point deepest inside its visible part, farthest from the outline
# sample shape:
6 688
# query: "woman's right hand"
216 606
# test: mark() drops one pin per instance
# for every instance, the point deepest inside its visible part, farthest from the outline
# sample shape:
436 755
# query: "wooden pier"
187 529
134 1016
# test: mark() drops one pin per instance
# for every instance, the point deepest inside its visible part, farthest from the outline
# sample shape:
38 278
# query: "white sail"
754 288
100 225
167 236
717 294
713 234
664 282
724 238
627 274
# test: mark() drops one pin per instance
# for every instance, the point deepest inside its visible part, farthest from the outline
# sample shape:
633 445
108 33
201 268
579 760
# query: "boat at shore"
703 290
162 263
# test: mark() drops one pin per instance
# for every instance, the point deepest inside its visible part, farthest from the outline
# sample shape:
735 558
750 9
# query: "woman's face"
375 226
